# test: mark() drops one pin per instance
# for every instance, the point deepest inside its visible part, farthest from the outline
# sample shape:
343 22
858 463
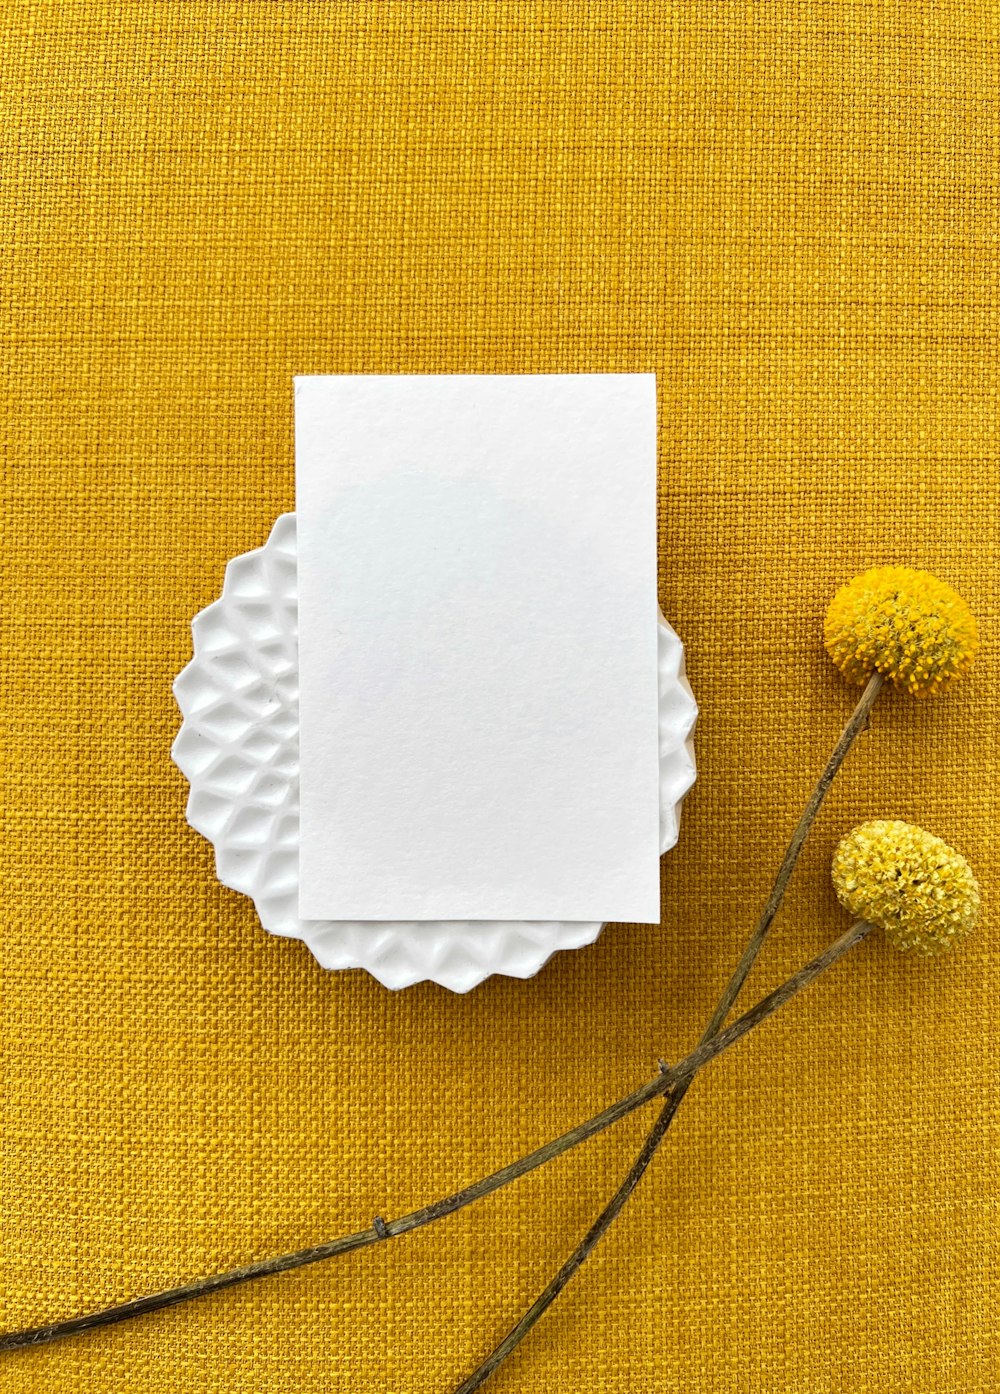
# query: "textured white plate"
238 747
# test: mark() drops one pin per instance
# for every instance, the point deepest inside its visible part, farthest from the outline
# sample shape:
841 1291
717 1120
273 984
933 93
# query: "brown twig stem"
652 1089
687 1069
857 723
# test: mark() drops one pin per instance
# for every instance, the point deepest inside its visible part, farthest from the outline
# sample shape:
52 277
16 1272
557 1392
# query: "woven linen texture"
788 211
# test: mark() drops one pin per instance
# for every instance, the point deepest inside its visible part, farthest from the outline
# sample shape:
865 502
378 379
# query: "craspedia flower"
917 888
913 628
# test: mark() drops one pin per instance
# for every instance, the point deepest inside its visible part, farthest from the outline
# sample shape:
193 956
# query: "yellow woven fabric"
789 213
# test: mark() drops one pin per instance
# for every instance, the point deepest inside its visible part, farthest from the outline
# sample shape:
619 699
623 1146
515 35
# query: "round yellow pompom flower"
913 628
917 888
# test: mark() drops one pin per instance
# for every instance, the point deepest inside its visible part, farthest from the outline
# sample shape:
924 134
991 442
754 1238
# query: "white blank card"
477 647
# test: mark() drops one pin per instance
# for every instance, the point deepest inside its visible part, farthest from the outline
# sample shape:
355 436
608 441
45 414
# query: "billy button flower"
917 888
905 624
895 624
891 623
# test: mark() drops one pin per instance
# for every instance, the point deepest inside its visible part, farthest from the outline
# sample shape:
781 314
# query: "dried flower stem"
706 1051
652 1089
858 722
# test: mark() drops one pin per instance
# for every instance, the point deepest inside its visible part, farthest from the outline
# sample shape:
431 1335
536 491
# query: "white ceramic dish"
238 747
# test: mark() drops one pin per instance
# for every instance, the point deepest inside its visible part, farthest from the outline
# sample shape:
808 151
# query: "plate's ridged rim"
238 748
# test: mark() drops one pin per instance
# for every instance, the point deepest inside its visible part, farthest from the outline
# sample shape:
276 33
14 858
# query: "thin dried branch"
666 1080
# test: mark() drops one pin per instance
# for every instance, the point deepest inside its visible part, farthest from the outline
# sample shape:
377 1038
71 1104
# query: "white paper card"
477 647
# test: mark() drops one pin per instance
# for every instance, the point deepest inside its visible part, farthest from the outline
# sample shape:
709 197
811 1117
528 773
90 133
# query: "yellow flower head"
909 625
921 891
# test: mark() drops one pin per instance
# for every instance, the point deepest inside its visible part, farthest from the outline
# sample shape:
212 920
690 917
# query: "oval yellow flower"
917 888
912 627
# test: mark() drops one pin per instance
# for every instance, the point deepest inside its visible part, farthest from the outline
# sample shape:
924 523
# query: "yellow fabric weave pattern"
788 211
